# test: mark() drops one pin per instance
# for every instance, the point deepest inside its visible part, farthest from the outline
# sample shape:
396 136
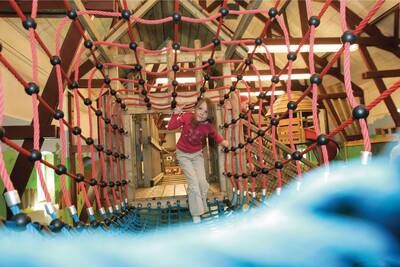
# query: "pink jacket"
192 138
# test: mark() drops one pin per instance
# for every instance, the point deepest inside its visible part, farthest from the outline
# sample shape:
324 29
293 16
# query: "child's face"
201 112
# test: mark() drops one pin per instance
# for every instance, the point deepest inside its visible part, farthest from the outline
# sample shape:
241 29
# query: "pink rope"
347 78
3 171
289 91
36 127
314 86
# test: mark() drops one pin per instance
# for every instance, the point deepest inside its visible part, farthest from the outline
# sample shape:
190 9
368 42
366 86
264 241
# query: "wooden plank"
140 193
169 191
158 191
381 74
90 26
180 190
140 12
182 57
157 179
381 139
195 10
150 191
26 131
380 85
242 26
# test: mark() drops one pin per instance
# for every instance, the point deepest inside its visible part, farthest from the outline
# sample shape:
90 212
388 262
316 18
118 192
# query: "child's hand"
178 110
224 143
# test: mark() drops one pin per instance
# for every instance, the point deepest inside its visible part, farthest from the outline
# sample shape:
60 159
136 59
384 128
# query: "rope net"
251 171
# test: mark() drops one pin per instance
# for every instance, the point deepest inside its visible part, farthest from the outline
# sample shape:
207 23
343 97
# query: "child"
195 128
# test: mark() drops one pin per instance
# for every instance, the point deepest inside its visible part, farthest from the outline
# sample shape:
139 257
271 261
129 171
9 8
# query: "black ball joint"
88 44
274 121
32 88
275 79
296 155
278 165
58 114
125 14
72 14
224 11
56 225
176 17
272 12
176 46
55 60
322 139
21 221
79 178
360 112
61 169
35 155
291 105
313 21
216 42
29 23
292 56
315 79
348 37
76 130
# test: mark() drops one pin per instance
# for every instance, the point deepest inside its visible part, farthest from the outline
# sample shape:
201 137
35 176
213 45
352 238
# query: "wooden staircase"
289 171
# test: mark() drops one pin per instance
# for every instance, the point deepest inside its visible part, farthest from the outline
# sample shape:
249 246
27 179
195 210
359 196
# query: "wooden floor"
171 186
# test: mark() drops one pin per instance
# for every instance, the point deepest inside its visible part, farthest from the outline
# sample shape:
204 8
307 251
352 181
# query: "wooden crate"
297 131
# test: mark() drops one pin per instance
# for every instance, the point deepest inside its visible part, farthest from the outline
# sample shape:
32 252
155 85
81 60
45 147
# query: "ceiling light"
283 77
277 92
318 48
179 80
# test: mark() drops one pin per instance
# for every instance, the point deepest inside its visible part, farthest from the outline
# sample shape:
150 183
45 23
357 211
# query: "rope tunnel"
253 164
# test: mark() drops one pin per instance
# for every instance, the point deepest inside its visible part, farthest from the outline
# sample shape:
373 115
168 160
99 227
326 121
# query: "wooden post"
199 78
138 151
225 186
147 164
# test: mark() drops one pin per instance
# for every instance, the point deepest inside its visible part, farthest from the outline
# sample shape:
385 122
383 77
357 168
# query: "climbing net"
110 188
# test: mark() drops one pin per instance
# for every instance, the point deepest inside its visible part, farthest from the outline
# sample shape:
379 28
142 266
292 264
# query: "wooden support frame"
26 132
381 74
195 10
243 25
380 85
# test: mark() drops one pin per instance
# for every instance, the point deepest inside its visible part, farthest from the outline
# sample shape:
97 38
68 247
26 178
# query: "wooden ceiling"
374 65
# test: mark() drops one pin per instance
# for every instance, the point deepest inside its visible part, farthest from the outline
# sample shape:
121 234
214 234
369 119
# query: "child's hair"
210 109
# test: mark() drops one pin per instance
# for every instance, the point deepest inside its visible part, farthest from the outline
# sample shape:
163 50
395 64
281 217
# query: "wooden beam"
211 7
385 14
51 9
351 138
262 18
19 132
183 57
96 83
195 10
242 26
123 29
23 167
353 20
380 85
83 69
342 95
90 27
396 23
381 74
